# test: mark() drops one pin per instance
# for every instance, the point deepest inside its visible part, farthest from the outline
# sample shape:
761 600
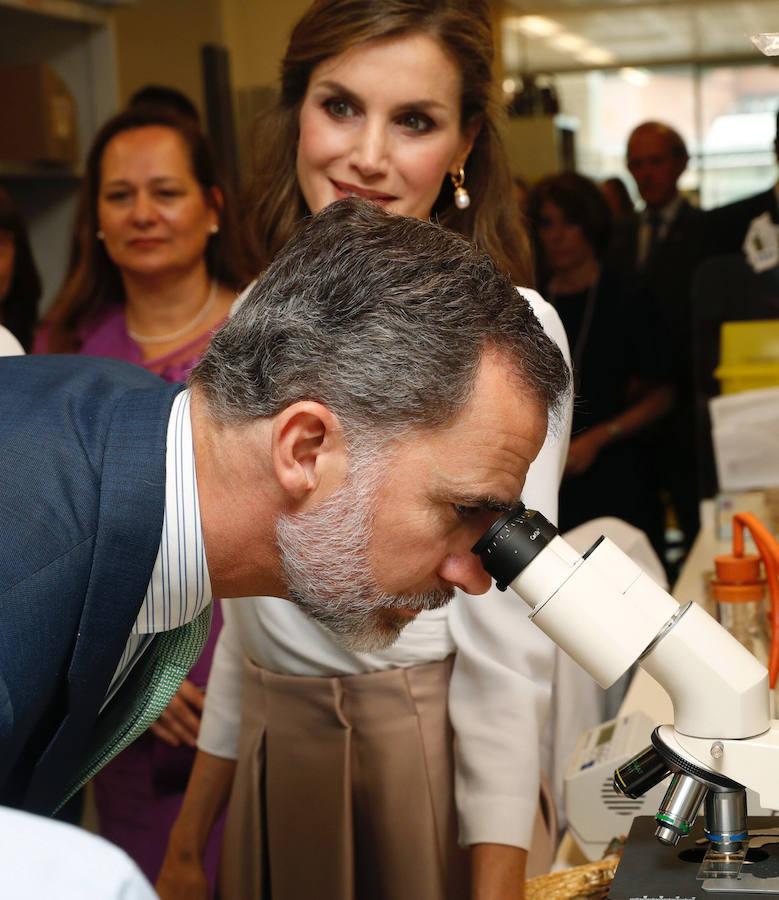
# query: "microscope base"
650 870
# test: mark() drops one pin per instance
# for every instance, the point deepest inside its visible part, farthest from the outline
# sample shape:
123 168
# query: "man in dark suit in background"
374 346
727 226
662 247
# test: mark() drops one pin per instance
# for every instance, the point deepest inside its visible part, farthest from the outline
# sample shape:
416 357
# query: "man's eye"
466 512
338 108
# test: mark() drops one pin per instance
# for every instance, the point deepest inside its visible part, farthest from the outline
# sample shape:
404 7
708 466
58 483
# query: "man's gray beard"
324 557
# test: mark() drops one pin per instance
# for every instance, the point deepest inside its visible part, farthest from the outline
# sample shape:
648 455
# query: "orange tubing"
769 551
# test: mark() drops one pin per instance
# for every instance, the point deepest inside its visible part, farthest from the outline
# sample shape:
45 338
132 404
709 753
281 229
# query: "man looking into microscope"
374 403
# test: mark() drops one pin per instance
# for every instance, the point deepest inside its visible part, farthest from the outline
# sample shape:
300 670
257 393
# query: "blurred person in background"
155 266
391 101
661 250
20 283
618 198
619 361
727 226
165 97
156 258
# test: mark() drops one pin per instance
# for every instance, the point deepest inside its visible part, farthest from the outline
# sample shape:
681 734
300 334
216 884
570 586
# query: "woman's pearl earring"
462 199
214 229
99 234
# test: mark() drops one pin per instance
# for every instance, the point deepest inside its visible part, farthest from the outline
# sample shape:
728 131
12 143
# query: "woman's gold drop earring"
462 199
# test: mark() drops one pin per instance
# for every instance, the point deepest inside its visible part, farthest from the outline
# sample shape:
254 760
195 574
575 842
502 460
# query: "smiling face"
397 537
382 120
153 213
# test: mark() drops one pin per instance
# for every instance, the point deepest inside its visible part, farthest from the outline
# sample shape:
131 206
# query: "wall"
159 41
256 34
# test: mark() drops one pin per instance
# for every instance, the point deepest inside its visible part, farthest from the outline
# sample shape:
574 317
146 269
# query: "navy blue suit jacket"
82 486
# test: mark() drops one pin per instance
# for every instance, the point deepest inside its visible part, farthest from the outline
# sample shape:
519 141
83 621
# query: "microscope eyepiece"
512 543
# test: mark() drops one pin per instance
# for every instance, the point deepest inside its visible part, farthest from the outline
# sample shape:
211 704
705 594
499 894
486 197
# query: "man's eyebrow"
486 501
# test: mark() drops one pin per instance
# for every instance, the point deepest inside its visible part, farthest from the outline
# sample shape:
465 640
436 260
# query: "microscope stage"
651 871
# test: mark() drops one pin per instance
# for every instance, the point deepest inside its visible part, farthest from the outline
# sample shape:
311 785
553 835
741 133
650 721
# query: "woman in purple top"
155 266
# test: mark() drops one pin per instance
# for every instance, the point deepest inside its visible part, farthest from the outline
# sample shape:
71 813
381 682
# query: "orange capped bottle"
739 590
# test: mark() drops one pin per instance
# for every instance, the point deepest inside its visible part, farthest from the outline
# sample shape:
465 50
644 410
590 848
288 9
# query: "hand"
180 723
584 450
182 877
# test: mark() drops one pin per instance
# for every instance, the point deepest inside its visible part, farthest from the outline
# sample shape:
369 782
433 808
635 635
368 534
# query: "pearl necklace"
199 317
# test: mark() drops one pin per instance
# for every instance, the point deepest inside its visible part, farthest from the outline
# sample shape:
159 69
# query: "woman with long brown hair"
392 101
156 260
462 31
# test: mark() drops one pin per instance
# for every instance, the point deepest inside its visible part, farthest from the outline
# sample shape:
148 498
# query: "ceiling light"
509 85
597 56
636 77
536 26
569 43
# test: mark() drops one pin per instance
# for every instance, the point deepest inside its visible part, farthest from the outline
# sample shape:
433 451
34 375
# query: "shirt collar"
179 587
668 212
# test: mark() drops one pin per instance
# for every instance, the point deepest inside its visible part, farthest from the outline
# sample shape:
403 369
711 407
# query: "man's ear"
308 451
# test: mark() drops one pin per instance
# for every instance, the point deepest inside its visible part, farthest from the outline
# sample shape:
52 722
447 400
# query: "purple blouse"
108 337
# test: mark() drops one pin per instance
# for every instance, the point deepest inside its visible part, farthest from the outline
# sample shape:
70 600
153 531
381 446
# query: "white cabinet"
77 41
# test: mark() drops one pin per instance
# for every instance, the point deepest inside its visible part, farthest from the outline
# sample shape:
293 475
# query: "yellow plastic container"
749 356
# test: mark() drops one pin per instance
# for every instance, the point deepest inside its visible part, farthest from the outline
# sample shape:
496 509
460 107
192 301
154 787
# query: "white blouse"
501 680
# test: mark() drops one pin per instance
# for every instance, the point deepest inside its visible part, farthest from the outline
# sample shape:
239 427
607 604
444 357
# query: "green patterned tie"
145 695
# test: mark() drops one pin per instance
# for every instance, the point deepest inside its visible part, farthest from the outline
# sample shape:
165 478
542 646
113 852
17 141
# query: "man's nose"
369 155
466 572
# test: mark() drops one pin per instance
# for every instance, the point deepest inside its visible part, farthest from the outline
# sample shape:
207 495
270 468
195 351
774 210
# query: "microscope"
607 614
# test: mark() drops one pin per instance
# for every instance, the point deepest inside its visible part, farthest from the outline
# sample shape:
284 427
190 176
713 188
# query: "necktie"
655 224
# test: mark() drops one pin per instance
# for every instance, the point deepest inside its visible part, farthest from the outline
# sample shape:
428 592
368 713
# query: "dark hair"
330 27
676 144
581 202
92 279
19 307
622 194
383 318
170 98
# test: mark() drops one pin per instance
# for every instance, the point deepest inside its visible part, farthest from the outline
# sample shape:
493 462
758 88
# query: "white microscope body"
607 614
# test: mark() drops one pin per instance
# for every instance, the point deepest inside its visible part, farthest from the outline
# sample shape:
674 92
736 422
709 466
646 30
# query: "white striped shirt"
179 588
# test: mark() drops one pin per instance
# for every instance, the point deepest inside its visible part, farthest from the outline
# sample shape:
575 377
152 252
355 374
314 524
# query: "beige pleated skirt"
344 790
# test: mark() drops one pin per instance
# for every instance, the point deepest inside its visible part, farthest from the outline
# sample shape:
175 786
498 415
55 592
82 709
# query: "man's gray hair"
383 319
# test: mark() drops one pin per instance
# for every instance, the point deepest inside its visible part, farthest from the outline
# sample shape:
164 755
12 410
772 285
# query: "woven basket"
589 881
